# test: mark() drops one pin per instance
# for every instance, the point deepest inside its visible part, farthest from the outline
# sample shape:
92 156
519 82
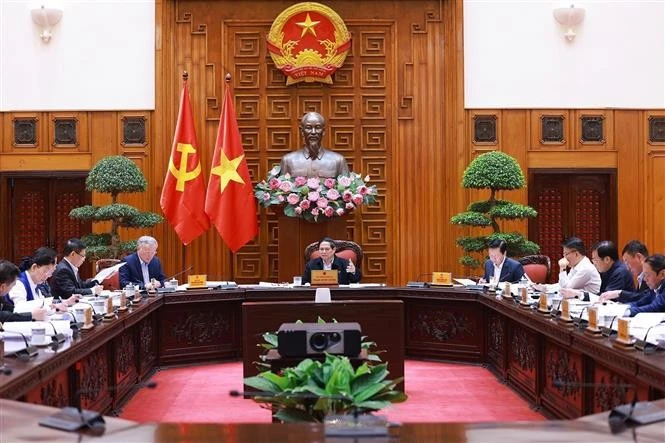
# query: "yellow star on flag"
228 171
307 26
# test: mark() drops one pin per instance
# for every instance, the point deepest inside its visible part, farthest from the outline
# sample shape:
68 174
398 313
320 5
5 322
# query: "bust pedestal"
295 234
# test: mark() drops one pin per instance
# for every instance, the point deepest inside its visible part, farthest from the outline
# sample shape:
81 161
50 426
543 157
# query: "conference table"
19 423
560 370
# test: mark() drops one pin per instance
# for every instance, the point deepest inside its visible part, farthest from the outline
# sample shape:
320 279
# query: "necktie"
146 274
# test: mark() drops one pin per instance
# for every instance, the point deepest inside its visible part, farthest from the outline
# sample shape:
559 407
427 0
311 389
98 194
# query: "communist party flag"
230 200
182 198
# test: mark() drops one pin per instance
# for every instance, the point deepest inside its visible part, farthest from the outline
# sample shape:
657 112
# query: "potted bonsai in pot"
114 175
496 172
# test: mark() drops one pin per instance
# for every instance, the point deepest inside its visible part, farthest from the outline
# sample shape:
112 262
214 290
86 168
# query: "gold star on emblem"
307 26
228 171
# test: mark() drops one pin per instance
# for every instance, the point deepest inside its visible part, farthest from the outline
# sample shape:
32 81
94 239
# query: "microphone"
180 273
645 346
555 313
72 418
23 354
58 337
417 283
618 420
579 321
607 330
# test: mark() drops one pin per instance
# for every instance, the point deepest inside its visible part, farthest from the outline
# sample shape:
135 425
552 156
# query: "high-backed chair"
536 267
113 282
343 248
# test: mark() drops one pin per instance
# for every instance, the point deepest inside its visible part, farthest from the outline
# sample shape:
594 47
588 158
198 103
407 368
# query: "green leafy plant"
495 171
114 175
314 389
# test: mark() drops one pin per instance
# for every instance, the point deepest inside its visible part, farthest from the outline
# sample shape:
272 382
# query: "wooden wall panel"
395 111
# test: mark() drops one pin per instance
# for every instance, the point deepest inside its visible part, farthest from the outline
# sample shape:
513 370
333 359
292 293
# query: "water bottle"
130 291
523 281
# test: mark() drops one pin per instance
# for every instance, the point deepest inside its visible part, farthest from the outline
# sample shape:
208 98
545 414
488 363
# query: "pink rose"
313 182
280 198
362 190
347 196
266 196
293 199
340 211
332 194
304 204
300 180
315 212
313 196
345 181
328 212
322 202
329 182
358 199
274 183
350 206
285 186
298 210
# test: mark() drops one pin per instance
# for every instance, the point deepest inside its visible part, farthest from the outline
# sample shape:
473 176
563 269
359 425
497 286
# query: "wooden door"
39 213
571 203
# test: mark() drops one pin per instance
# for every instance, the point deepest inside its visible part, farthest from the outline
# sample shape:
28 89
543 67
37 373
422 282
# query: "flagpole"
183 249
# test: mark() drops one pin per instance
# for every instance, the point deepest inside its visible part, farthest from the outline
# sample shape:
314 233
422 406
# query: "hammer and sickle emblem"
181 174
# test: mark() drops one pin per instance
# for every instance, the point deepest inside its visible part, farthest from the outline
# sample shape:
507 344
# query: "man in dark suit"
347 271
143 268
65 280
498 265
654 274
633 255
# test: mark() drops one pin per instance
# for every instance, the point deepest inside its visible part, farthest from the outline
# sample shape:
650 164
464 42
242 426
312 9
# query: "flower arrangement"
314 198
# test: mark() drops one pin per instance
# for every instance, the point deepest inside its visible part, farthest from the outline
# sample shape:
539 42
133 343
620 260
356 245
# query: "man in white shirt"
578 278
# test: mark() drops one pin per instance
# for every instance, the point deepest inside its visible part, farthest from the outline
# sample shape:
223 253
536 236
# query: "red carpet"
442 392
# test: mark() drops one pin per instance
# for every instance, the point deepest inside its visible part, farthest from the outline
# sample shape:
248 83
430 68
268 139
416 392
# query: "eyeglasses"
80 255
566 254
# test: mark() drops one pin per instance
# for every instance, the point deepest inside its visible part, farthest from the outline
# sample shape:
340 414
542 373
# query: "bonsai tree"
495 171
114 175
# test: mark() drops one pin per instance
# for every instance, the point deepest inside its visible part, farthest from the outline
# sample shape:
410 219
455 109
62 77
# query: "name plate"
593 319
197 281
623 328
442 278
324 278
565 309
542 303
525 296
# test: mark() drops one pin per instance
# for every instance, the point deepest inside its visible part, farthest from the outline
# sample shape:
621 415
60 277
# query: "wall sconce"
569 18
46 18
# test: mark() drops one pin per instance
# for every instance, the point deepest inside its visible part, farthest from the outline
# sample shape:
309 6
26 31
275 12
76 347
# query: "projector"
308 339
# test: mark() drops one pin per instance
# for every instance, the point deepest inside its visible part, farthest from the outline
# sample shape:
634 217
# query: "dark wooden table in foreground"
560 370
19 423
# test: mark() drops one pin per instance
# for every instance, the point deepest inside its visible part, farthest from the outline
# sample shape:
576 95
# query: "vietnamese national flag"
182 198
230 200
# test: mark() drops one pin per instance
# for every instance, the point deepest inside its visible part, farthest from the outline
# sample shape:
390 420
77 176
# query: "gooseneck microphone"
178 274
23 354
96 318
417 283
72 418
58 337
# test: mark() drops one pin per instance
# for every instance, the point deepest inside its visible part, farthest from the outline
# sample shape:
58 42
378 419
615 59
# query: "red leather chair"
536 267
343 248
113 282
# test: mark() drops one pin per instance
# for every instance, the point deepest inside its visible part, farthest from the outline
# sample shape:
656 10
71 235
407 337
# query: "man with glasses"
578 277
8 275
634 254
66 280
347 271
